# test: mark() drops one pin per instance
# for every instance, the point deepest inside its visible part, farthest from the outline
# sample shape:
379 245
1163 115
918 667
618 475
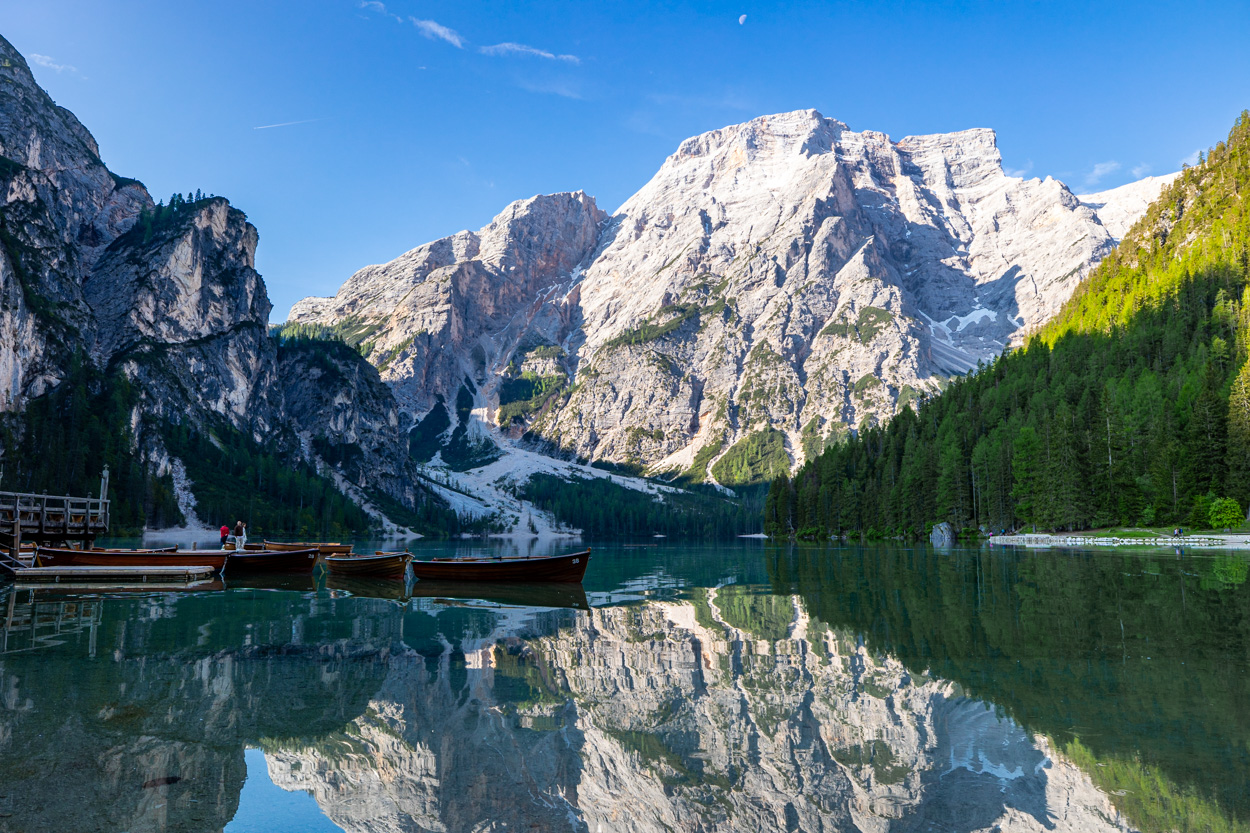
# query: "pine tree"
1238 482
1026 464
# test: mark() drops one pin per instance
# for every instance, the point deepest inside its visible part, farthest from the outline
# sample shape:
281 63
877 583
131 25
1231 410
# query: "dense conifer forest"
63 440
1132 407
61 443
603 509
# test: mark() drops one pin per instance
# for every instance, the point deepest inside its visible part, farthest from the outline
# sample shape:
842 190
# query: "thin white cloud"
1191 159
530 51
286 124
50 63
437 31
1100 171
1020 172
553 86
380 8
1140 170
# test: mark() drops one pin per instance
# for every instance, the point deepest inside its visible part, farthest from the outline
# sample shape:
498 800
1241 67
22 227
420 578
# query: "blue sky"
350 132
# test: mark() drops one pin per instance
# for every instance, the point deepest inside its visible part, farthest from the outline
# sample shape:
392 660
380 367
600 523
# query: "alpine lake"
745 686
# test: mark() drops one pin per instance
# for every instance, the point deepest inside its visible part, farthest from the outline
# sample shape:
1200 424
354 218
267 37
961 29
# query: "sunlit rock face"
59 208
453 308
731 712
184 313
787 274
175 304
1119 208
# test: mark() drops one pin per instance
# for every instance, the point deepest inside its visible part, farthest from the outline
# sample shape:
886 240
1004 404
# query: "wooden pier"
49 521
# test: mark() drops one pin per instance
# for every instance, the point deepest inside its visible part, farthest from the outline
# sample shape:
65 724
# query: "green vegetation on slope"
1131 407
353 332
162 217
235 478
63 440
756 458
604 509
527 394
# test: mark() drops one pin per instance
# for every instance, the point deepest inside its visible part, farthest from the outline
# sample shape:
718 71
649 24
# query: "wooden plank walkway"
127 575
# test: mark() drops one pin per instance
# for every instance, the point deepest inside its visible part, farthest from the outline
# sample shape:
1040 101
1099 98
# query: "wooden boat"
230 547
174 548
270 561
51 557
556 568
325 548
556 594
390 565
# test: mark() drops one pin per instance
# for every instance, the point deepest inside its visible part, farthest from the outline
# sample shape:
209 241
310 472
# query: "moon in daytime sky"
742 20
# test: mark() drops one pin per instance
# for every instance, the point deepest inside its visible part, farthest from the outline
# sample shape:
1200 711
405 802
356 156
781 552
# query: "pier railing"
48 520
53 516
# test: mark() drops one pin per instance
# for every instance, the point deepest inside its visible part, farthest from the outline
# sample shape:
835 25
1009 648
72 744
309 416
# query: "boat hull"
48 557
384 565
270 561
322 548
559 568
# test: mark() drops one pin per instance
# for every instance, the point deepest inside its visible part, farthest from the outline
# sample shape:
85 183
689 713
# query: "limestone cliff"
181 310
780 281
59 208
167 296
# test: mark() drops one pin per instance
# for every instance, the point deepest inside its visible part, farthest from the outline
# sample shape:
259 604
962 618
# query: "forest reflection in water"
749 687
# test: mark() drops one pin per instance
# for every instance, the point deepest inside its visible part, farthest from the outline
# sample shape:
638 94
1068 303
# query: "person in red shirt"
225 533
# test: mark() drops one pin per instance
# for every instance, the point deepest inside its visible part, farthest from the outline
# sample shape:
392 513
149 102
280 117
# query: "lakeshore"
1128 538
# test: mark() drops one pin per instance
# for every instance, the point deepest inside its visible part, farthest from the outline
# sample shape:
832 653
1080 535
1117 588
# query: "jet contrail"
285 124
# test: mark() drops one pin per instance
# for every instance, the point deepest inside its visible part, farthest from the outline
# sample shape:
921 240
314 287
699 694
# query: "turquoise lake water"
745 686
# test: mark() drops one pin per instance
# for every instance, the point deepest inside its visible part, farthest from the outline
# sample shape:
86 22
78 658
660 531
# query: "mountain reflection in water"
741 688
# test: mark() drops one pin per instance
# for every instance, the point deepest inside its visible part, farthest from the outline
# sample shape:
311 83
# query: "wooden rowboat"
229 546
390 565
324 548
270 561
556 568
51 557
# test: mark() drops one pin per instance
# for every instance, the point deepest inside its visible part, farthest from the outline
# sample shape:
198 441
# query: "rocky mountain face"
346 416
776 284
61 208
1119 208
169 297
181 310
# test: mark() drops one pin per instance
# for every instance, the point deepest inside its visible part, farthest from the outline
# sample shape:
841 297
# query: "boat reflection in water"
738 690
